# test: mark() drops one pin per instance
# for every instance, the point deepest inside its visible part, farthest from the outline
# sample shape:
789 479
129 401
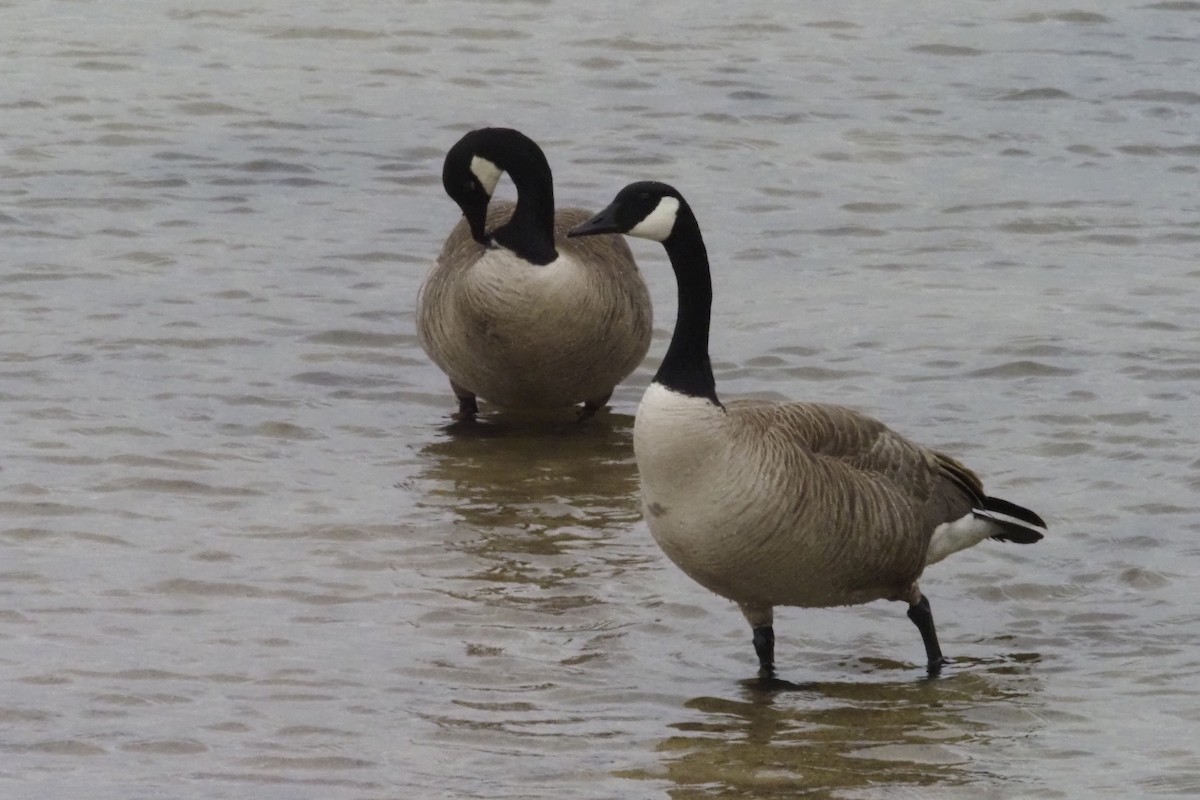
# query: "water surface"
241 554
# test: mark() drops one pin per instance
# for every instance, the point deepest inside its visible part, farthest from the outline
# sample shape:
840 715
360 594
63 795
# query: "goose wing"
864 456
870 461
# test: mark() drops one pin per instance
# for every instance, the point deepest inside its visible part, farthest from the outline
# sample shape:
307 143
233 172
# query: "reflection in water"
502 469
540 502
540 549
844 739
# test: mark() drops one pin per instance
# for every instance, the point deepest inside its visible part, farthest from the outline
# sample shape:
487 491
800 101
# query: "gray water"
241 555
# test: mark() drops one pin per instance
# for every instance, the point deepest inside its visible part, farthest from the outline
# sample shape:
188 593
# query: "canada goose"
514 312
798 504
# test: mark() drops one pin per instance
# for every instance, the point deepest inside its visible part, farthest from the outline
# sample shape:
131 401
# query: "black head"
473 167
647 209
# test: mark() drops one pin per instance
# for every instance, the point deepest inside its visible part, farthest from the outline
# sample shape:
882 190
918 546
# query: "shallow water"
242 554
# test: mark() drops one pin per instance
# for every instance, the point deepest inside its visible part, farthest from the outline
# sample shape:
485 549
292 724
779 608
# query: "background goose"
798 504
513 311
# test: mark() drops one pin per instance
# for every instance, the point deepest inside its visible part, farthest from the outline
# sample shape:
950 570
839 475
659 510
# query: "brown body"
522 335
798 504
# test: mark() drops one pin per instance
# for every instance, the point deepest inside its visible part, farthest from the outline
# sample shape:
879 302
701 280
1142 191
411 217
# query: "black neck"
686 367
530 232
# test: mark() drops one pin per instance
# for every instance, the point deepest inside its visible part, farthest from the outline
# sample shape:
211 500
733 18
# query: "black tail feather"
1013 510
1020 528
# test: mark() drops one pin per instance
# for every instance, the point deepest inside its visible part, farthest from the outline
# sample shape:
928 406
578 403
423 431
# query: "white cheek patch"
658 223
487 173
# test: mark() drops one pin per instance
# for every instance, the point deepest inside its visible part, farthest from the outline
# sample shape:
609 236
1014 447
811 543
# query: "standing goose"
512 311
798 504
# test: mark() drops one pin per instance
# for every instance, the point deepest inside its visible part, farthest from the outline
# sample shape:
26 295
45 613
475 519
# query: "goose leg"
467 407
922 616
764 646
590 407
761 619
